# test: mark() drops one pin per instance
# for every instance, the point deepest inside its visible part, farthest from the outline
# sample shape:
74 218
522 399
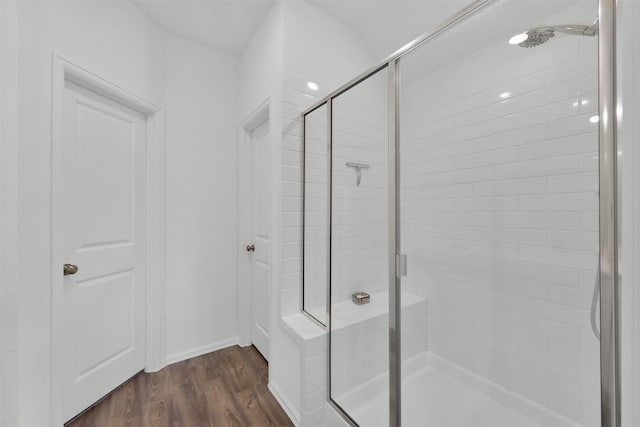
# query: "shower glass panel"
359 337
316 213
499 221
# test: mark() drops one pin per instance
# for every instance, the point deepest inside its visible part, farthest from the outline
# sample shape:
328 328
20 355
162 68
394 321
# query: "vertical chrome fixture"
332 402
594 304
395 309
329 225
311 316
609 292
303 211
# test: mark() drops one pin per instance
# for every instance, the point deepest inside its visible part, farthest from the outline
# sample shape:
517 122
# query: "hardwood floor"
224 388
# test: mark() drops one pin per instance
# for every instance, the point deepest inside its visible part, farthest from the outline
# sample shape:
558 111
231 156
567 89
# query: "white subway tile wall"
295 98
359 211
500 215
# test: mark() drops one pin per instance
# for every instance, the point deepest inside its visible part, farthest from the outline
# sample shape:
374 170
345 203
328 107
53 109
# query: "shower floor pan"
441 394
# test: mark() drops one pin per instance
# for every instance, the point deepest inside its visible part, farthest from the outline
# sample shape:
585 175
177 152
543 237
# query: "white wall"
118 42
317 47
259 72
261 62
9 287
201 199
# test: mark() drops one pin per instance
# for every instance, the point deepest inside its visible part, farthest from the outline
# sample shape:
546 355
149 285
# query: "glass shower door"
316 214
499 220
358 326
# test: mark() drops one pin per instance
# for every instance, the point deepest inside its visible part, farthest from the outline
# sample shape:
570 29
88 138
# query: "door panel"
261 258
103 175
106 155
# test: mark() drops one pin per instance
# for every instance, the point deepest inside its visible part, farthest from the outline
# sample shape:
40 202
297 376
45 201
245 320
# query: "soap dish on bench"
360 298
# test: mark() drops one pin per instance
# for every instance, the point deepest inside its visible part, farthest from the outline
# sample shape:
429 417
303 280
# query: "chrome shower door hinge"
401 265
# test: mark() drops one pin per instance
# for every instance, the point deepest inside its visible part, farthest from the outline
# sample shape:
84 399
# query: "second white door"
261 233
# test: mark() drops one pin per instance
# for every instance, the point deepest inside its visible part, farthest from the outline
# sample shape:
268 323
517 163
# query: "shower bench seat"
360 346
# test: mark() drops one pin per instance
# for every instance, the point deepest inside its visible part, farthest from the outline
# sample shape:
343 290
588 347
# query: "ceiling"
228 25
387 25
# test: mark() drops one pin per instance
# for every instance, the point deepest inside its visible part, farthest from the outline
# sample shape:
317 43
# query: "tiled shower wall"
296 98
500 215
359 211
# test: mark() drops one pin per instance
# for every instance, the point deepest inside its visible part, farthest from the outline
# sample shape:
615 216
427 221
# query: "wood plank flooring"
224 388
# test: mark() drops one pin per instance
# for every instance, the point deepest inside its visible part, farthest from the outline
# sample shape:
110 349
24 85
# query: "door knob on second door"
251 248
70 269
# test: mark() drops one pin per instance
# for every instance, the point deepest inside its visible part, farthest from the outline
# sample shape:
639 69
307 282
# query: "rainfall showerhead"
540 35
535 38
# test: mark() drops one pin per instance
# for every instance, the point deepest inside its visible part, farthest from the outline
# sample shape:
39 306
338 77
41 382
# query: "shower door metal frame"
395 299
609 237
608 207
310 316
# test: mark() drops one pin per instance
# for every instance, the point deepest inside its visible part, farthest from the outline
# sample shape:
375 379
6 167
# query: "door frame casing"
245 227
64 70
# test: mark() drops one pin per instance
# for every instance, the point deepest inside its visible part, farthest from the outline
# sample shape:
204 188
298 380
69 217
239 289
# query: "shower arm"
580 30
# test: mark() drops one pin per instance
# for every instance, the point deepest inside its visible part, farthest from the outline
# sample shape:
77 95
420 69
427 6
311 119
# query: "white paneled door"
261 245
103 211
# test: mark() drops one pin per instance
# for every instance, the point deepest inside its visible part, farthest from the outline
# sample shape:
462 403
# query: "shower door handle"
401 265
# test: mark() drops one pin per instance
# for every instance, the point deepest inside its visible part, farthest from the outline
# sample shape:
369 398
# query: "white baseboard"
244 343
293 415
199 351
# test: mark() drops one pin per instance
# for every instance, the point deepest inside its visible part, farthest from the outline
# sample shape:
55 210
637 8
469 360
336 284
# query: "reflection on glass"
316 213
